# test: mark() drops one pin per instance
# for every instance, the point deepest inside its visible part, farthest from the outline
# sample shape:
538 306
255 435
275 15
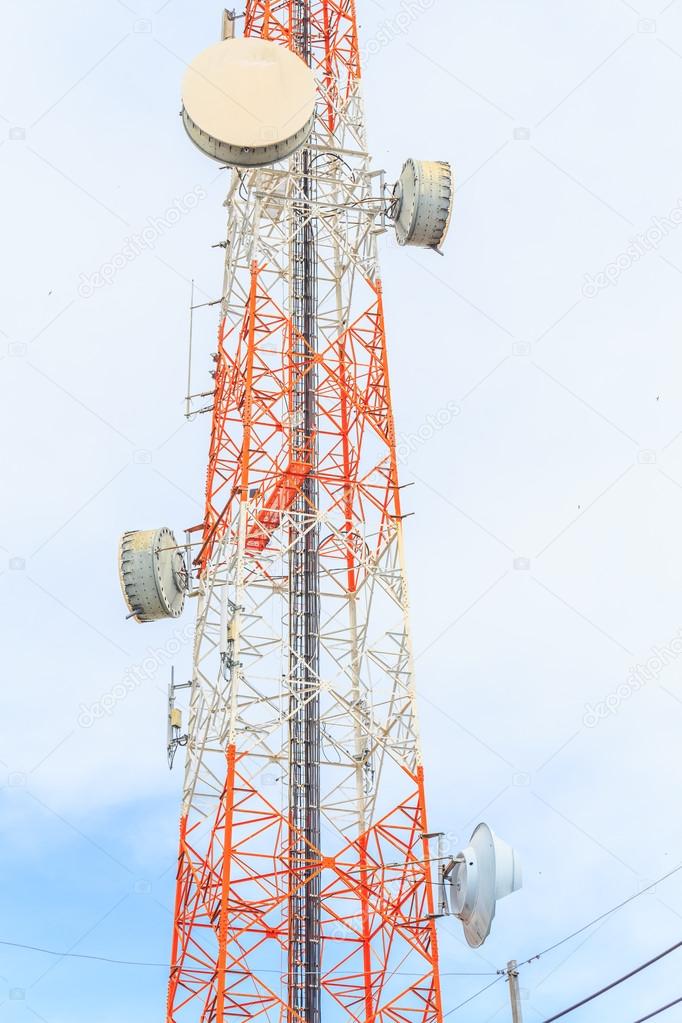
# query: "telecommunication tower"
305 883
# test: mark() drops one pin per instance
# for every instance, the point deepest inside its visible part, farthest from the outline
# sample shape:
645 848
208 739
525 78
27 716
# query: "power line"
498 975
597 919
615 983
476 995
658 1012
166 966
574 934
80 955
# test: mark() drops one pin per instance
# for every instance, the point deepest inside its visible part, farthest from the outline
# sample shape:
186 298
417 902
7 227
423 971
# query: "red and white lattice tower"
304 890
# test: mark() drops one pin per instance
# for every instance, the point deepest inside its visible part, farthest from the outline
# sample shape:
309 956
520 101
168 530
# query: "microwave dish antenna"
422 203
153 574
248 102
486 871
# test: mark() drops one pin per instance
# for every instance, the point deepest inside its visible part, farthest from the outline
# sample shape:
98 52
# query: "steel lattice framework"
303 885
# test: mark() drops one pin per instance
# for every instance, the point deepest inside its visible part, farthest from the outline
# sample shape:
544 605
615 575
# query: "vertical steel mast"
303 887
304 585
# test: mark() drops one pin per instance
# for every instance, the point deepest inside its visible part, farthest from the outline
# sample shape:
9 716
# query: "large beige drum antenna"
248 102
422 203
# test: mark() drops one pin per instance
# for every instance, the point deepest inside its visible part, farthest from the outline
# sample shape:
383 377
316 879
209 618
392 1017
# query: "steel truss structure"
303 887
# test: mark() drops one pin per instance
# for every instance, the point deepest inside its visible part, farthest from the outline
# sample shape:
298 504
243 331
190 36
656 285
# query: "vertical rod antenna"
188 399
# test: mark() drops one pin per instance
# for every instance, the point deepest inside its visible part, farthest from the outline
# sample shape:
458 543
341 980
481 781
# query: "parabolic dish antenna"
248 102
487 870
153 574
422 203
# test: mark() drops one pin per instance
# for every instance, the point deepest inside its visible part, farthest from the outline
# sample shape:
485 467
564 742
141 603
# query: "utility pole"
514 993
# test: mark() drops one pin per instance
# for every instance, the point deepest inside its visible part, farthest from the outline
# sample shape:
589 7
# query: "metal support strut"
304 586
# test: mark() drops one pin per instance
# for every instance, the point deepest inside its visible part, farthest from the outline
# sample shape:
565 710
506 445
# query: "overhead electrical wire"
499 974
79 955
166 966
574 934
664 1008
613 984
597 919
477 994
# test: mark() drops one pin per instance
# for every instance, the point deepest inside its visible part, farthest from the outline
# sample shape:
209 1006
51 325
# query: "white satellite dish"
487 870
248 102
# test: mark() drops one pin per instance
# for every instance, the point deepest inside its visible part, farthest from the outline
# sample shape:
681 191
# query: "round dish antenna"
422 203
153 574
487 870
248 102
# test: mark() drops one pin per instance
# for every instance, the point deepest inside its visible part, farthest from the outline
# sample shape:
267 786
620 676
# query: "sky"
537 382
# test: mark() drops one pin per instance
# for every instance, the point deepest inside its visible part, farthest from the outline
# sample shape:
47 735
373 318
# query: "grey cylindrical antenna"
153 574
229 28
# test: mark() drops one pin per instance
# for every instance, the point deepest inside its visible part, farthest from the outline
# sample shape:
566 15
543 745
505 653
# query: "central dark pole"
304 593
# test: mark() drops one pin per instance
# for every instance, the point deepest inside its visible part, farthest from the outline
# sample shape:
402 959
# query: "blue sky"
544 554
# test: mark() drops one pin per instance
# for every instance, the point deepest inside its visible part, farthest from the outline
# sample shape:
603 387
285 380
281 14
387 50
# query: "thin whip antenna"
188 398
